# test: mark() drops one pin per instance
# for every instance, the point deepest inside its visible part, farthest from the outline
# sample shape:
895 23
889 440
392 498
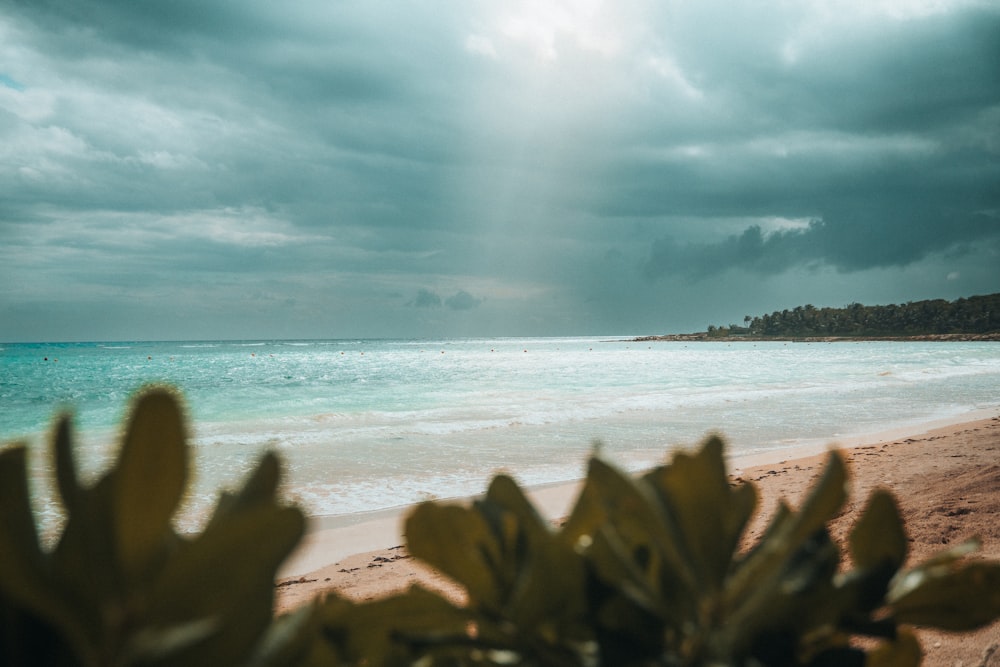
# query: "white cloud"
901 10
135 232
480 45
503 149
29 104
772 224
839 143
668 69
815 23
544 27
247 227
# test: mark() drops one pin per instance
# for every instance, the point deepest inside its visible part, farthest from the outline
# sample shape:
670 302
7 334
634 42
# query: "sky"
246 169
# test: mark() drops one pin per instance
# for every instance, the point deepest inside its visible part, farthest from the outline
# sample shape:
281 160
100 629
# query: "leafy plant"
121 587
645 571
648 571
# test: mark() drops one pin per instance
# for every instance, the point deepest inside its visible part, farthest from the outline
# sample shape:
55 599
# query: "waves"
369 424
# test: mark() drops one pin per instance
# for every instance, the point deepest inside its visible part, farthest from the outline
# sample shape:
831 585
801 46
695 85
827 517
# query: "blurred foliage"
645 571
120 586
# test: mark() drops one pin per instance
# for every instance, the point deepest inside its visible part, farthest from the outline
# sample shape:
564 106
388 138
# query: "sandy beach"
947 480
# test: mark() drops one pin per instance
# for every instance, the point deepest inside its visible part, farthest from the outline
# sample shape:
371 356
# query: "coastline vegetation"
645 571
973 318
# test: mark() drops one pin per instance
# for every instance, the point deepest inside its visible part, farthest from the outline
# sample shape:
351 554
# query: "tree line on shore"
973 315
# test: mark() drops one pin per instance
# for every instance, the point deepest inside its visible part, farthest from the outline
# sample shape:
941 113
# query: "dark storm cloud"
554 167
900 238
244 101
462 300
427 299
886 136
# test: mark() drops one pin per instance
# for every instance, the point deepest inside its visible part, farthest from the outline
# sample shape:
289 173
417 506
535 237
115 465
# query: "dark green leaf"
709 514
787 533
24 575
292 639
156 645
206 575
397 630
66 476
825 500
584 519
226 576
954 553
616 567
543 575
21 571
634 547
940 564
260 488
632 510
458 542
151 478
958 598
790 571
504 493
878 538
904 651
85 561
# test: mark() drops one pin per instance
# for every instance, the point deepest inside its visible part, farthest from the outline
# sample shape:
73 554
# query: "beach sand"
947 482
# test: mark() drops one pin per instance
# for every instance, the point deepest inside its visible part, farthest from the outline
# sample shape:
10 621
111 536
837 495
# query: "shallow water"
364 425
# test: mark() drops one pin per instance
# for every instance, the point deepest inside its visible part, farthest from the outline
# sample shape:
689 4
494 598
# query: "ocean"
364 425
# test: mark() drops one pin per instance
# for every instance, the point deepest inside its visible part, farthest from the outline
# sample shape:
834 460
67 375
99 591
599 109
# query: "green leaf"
633 548
85 560
633 512
293 639
458 542
225 576
616 566
399 629
585 517
879 538
825 500
954 553
24 575
21 570
788 532
259 488
904 651
709 514
150 480
66 476
937 565
504 493
544 577
958 598
790 570
153 645
206 575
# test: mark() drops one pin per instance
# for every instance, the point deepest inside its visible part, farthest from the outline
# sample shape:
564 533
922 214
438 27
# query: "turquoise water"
364 425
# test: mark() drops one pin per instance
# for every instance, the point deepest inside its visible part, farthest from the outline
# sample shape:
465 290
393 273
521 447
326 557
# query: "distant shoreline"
715 338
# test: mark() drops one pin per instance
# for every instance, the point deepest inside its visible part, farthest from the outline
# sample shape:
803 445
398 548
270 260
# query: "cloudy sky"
252 169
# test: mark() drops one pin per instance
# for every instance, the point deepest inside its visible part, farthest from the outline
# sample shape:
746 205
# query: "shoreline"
330 538
945 477
703 336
